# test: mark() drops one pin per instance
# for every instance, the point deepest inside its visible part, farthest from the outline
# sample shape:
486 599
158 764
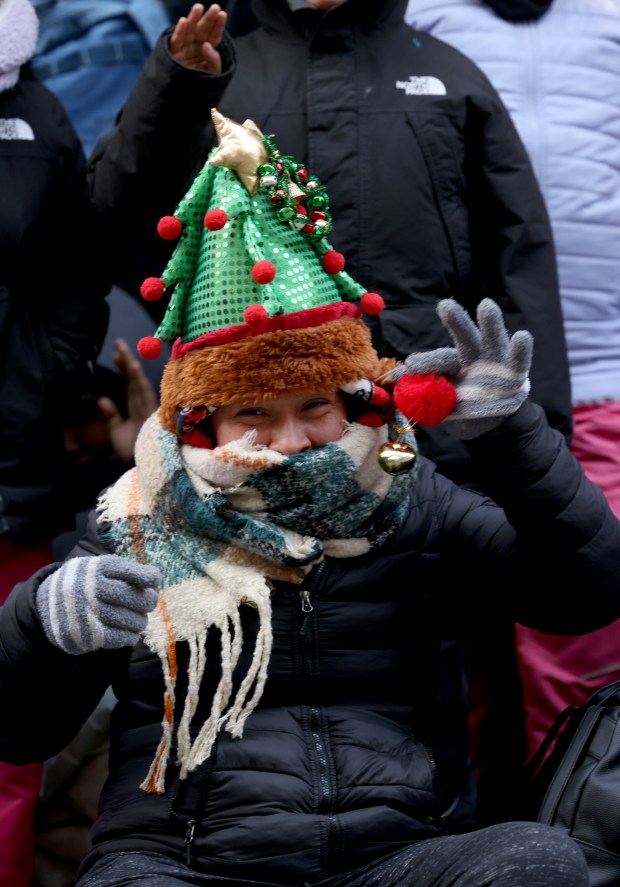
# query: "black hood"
519 10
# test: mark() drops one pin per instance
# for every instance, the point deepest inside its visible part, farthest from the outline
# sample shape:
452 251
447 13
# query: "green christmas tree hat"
260 304
252 244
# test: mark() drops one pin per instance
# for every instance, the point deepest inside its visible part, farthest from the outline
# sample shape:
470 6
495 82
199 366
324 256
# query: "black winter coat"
350 754
52 311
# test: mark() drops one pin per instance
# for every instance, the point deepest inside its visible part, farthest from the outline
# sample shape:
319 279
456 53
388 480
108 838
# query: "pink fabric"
559 671
596 443
19 786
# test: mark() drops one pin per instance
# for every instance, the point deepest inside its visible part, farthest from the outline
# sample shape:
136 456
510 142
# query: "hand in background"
196 37
142 401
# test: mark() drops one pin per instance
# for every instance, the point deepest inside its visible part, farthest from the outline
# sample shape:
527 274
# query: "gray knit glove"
94 603
488 368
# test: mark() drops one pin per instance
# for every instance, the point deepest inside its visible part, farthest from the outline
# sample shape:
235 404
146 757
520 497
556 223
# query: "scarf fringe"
190 755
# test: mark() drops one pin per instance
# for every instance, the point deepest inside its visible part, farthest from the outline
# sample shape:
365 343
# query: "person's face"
288 425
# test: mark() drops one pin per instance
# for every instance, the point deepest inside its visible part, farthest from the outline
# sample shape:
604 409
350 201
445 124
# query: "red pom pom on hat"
152 288
169 228
372 303
263 271
425 398
215 219
255 315
149 348
333 261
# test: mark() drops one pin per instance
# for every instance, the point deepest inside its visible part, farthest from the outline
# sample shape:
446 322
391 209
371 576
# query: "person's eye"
316 404
250 412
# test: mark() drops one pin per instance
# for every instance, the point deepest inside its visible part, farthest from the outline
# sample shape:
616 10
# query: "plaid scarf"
218 524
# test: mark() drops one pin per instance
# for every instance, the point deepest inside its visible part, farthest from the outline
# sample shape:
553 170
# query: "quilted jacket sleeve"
45 695
561 571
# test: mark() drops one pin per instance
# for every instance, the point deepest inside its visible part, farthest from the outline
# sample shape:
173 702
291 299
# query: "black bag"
576 788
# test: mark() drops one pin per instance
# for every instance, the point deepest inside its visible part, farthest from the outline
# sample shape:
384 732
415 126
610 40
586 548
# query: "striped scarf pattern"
219 524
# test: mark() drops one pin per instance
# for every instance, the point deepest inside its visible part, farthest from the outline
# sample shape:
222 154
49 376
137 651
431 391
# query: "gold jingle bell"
396 458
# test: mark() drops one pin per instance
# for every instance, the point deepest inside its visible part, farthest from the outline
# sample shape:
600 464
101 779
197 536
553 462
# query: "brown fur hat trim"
269 365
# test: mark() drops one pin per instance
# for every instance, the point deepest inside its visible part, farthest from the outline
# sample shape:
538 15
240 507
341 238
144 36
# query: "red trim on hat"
310 317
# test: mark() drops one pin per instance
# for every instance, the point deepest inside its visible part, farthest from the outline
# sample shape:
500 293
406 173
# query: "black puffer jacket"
349 755
432 194
52 311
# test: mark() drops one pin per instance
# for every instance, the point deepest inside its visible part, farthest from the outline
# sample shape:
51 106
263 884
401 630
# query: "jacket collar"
519 10
276 16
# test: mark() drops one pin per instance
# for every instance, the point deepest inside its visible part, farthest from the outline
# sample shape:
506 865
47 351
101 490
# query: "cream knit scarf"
218 524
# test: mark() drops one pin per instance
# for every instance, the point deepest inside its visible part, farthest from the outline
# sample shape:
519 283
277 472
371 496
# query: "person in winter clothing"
53 313
52 323
267 588
556 66
445 202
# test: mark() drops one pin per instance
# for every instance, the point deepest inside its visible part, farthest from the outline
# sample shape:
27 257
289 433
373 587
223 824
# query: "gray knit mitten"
488 368
95 603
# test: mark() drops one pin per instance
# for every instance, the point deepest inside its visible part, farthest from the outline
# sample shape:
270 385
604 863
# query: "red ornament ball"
255 315
169 228
263 272
333 261
372 303
149 348
152 289
215 219
425 398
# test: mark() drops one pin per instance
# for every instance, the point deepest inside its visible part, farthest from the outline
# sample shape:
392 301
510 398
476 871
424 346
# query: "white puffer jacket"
559 76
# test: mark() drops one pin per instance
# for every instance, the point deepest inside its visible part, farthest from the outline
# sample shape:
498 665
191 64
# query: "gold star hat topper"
241 148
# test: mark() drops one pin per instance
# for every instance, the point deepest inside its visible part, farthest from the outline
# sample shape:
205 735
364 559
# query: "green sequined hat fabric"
251 234
212 270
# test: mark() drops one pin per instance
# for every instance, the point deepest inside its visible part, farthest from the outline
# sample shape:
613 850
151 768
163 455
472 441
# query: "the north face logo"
422 86
13 128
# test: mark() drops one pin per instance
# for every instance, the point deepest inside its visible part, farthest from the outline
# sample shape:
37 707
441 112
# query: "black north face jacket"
430 187
53 315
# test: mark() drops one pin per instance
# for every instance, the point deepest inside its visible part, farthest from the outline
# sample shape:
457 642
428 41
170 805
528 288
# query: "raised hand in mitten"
95 603
488 369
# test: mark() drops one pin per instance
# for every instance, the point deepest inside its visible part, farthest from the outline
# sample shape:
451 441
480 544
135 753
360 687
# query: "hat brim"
270 365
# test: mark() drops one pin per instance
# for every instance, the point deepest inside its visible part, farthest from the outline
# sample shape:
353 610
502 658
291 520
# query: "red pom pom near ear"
152 288
333 261
215 219
169 228
255 315
425 398
263 272
371 420
149 348
372 303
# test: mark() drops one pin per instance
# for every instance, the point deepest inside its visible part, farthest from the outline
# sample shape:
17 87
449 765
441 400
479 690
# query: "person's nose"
289 437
